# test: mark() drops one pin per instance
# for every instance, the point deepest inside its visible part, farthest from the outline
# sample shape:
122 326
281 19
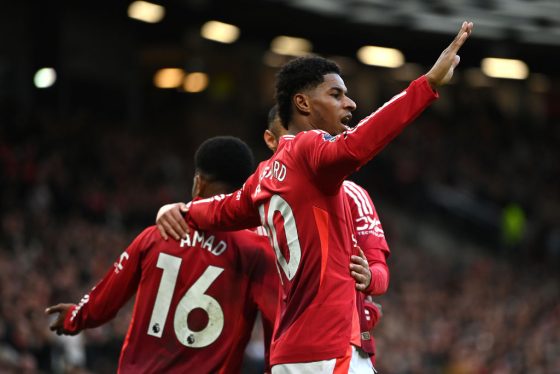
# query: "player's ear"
301 102
199 184
270 140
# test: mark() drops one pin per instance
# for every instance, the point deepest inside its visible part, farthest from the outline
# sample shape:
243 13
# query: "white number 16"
194 298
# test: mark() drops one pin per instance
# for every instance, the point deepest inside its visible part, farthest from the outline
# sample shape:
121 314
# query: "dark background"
468 196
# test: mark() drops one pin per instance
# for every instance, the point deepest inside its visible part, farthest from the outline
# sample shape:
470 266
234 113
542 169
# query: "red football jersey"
370 237
297 196
196 300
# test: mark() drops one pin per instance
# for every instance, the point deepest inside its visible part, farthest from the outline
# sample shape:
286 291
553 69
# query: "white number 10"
278 204
194 298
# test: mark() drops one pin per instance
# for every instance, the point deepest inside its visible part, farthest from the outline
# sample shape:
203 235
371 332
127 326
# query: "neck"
295 127
214 188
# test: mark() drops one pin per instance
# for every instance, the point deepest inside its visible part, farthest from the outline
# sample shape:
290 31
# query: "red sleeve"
332 159
369 236
265 286
373 314
109 295
266 296
225 212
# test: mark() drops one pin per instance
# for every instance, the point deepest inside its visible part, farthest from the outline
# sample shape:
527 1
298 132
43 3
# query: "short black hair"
225 159
300 74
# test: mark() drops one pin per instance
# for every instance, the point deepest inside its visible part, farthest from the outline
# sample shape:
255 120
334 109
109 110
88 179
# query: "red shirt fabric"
196 300
370 237
297 196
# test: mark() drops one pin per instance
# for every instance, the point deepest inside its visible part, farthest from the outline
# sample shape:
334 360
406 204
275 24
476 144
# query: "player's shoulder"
146 239
350 185
302 142
149 235
358 196
304 136
314 135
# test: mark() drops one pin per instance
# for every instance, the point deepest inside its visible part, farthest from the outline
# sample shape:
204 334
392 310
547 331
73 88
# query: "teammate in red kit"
298 196
197 299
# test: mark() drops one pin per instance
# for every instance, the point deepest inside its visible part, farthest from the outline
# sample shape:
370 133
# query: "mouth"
346 120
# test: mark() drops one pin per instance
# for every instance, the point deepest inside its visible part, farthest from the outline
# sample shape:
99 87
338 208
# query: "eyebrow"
339 89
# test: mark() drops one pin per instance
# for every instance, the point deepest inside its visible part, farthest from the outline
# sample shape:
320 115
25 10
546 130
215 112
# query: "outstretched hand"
442 71
359 269
58 324
170 221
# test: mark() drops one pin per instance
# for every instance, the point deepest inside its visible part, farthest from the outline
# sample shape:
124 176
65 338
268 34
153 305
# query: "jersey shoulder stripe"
359 196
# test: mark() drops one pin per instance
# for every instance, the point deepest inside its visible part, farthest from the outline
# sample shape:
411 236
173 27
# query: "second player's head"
222 164
274 129
310 94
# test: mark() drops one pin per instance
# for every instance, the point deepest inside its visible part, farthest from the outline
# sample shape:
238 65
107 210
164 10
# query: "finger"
162 231
359 269
54 309
359 261
170 229
174 217
461 31
461 37
362 255
359 278
183 207
57 324
179 222
456 60
54 327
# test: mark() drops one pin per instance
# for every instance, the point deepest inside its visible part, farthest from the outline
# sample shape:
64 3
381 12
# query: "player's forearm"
374 132
221 212
85 316
379 279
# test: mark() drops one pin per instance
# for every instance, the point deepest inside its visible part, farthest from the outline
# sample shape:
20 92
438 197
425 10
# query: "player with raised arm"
197 299
298 196
370 238
367 230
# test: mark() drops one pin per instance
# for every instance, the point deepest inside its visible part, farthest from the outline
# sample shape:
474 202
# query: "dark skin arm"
170 222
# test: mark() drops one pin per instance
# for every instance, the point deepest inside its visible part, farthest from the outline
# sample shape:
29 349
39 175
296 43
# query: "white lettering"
198 238
220 248
185 241
209 243
279 171
206 243
119 265
83 302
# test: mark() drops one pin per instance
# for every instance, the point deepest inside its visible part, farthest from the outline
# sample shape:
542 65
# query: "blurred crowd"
472 313
482 166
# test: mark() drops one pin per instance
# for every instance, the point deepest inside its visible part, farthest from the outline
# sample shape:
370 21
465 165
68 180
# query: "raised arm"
334 158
